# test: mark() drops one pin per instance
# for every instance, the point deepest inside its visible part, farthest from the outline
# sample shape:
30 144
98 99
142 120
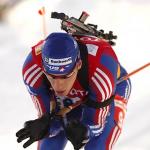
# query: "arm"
101 87
42 97
102 82
37 87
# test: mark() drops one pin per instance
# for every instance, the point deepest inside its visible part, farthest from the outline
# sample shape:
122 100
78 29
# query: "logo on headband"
56 68
58 62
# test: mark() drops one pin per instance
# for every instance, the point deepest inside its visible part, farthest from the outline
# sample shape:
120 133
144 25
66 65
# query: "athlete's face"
63 83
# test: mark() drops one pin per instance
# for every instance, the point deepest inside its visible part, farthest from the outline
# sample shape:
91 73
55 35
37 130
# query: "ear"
79 64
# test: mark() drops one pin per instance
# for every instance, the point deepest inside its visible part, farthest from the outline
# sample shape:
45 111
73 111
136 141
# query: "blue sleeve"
102 86
123 89
36 84
39 89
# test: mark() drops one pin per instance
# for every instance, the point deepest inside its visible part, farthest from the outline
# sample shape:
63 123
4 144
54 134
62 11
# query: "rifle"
75 26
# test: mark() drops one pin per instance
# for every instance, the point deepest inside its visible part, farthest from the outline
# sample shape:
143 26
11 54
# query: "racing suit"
104 70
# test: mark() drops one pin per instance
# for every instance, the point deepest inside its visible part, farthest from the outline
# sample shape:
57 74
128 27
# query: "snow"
22 29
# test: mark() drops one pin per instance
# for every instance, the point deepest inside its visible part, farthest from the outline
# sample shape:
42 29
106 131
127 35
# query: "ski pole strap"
91 103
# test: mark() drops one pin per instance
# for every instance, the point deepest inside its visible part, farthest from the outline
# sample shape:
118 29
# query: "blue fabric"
99 142
59 53
28 59
54 143
124 88
110 64
58 142
42 92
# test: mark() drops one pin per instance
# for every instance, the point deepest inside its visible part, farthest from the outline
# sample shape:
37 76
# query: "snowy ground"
129 20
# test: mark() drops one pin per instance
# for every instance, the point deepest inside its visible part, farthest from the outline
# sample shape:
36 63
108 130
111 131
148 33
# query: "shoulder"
96 46
32 68
103 65
100 52
36 52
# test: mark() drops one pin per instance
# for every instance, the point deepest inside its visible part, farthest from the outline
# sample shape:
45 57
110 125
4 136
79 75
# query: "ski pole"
132 73
42 13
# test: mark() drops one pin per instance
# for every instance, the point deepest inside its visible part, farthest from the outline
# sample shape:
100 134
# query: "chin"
65 93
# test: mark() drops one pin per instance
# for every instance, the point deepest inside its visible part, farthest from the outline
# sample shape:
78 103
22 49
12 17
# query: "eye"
50 76
57 77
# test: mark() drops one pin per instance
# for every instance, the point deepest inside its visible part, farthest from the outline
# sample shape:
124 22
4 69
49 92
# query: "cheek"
70 83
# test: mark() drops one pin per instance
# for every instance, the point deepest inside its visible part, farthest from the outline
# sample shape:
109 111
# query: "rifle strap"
84 80
94 104
83 72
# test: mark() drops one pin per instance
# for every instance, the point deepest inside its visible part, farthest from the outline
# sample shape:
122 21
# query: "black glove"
34 130
77 134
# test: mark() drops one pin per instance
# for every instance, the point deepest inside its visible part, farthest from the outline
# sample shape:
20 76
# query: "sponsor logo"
38 50
92 49
62 69
58 62
54 68
46 60
77 92
38 47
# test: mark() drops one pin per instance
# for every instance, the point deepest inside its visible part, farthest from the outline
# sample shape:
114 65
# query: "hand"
77 134
34 130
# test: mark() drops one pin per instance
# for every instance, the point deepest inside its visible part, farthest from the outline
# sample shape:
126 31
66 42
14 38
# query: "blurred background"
21 28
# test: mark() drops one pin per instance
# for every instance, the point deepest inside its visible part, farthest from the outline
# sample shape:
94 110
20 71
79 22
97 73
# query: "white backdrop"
129 19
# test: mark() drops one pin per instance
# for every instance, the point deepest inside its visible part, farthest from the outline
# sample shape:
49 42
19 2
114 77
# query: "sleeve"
123 89
34 80
122 94
102 82
40 92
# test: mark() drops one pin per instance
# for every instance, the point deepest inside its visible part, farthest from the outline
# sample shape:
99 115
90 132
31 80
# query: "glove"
34 130
77 134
